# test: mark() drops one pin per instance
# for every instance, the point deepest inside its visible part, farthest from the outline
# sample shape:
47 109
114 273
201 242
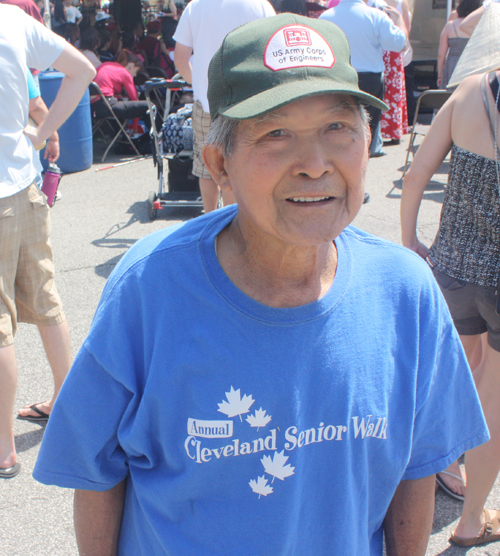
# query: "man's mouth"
309 199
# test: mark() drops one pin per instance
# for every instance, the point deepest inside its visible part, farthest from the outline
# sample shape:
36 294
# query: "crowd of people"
278 291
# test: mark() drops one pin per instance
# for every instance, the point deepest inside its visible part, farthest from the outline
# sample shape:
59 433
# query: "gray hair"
222 131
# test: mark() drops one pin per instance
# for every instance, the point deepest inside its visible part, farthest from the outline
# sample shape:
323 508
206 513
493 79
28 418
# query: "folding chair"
432 99
98 123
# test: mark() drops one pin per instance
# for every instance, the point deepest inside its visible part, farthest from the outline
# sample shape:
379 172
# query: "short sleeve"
33 90
80 448
43 47
183 34
441 433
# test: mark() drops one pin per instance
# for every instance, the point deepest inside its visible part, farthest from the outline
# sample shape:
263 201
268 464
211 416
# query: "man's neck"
273 274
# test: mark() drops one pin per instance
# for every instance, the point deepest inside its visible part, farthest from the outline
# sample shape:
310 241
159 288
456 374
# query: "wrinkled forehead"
333 105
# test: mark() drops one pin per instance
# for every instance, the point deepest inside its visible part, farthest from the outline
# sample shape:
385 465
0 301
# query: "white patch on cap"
296 46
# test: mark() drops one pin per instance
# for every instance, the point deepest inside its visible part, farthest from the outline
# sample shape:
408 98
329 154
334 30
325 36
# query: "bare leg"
209 194
473 347
483 463
473 350
8 382
56 341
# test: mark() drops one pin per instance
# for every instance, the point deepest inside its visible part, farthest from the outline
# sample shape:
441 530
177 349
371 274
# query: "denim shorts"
472 307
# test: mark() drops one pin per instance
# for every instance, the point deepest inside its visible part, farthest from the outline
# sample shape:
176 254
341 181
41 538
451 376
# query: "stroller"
181 189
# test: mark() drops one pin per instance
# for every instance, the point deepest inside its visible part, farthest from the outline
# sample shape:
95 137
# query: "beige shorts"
201 125
27 289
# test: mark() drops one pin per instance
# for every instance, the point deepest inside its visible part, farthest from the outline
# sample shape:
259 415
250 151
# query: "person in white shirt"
73 14
202 28
27 290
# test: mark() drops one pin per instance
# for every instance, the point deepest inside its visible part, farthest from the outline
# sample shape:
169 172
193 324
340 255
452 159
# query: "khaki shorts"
27 289
201 125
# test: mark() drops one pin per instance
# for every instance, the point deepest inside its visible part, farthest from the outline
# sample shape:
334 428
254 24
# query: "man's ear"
215 162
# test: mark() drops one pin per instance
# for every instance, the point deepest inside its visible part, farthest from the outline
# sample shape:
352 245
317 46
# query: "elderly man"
284 394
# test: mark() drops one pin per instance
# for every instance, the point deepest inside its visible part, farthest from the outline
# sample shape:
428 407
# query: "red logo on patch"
295 37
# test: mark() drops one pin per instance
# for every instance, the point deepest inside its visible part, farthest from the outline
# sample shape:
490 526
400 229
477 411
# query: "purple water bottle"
50 182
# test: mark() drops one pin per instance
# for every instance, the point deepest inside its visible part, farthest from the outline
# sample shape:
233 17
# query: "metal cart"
167 195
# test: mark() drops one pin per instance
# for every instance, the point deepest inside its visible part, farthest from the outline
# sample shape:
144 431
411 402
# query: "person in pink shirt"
114 78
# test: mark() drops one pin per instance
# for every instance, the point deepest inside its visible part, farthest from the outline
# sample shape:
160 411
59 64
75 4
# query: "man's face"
298 173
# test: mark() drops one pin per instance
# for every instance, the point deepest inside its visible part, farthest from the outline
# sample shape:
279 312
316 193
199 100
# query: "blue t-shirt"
250 430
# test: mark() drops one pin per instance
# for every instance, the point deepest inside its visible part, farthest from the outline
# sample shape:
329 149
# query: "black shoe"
378 154
392 142
366 198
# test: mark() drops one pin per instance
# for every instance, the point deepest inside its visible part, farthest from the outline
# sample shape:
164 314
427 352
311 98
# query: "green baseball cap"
271 62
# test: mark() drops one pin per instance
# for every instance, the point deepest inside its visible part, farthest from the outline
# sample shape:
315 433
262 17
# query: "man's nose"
312 159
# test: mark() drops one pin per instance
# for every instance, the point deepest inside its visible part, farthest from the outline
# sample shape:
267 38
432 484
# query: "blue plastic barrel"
75 135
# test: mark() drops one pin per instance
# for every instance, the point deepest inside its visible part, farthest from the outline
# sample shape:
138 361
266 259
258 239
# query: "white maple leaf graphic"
258 419
276 466
260 486
237 405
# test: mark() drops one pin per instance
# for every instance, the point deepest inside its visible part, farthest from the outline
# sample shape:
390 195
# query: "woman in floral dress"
394 122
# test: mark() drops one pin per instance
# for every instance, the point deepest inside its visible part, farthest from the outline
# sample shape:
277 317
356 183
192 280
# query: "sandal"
40 415
446 488
490 532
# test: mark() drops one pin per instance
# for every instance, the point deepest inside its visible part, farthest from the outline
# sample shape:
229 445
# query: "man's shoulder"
350 9
243 4
167 250
10 10
380 256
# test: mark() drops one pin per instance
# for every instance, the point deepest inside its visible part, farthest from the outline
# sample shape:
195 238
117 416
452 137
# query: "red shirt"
28 6
112 78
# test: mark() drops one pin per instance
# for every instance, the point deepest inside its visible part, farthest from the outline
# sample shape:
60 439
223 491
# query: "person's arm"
98 519
469 23
182 60
173 8
408 522
429 157
78 73
129 86
38 111
443 49
396 18
406 16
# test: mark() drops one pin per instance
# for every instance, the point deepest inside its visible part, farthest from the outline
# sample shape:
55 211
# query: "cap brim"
281 95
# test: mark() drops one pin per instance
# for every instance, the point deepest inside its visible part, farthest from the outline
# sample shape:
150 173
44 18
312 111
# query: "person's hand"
52 149
439 79
420 249
32 134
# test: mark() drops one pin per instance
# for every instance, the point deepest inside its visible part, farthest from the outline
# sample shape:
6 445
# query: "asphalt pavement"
101 214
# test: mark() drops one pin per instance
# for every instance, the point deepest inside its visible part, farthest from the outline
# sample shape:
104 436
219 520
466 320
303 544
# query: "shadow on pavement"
105 269
433 192
28 440
179 214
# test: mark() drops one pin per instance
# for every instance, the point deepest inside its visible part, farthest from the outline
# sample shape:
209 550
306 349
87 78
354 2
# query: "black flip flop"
10 472
42 416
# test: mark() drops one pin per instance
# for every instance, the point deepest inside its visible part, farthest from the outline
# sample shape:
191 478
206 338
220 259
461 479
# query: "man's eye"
335 126
276 133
